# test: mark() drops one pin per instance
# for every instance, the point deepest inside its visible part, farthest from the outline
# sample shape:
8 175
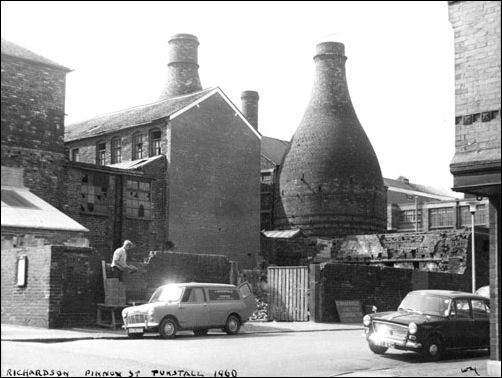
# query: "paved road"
328 353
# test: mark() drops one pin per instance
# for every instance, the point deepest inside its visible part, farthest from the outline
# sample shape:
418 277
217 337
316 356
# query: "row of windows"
94 197
138 150
445 216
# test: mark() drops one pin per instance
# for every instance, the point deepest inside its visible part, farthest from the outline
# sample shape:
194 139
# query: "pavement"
472 365
11 332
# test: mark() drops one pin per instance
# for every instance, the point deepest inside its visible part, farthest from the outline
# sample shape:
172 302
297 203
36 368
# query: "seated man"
119 260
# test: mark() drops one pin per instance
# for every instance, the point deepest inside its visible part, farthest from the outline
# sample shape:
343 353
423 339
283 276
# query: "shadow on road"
412 357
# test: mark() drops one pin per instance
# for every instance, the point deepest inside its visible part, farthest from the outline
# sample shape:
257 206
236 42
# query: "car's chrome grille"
391 330
135 318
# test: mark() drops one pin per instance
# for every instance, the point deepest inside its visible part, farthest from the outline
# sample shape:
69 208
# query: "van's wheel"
377 349
200 332
433 349
233 325
168 328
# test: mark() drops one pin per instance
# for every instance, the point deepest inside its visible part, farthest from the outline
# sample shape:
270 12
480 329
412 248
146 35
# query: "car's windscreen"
425 304
166 294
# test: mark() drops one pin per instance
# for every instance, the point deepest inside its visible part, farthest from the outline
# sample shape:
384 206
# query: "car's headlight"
367 320
124 313
412 328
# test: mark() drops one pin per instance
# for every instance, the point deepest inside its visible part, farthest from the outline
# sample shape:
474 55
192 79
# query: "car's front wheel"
433 349
168 328
377 349
232 325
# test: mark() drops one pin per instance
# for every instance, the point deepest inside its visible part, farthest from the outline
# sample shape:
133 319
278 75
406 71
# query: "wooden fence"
288 289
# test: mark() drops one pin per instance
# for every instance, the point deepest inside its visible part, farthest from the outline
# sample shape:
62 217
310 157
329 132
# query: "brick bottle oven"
330 183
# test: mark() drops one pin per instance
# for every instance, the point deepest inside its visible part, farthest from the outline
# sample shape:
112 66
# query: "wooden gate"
288 288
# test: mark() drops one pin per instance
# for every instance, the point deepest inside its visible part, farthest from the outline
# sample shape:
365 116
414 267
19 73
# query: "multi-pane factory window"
408 220
116 150
138 199
442 217
94 194
74 154
137 146
100 153
266 177
155 138
480 217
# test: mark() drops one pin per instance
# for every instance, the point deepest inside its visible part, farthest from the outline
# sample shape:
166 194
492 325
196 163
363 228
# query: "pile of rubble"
261 313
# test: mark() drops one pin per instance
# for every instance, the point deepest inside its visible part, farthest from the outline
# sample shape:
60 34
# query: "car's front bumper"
392 342
145 325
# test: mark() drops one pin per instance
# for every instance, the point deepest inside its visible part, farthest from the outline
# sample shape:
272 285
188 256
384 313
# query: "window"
480 217
94 194
479 309
462 309
116 150
138 199
22 269
266 177
137 146
223 295
407 218
100 153
155 137
193 295
442 217
74 154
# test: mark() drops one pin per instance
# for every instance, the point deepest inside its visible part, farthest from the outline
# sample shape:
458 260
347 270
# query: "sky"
400 66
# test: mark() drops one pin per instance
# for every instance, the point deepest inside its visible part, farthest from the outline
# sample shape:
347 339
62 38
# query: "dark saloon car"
430 322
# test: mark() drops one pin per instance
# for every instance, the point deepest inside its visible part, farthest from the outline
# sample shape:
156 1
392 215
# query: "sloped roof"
135 164
130 117
406 186
11 49
282 234
23 209
273 149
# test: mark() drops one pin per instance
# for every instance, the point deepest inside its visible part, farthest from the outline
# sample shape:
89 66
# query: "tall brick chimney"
250 107
182 67
330 183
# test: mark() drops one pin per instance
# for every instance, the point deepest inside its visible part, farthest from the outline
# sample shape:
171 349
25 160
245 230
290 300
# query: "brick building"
203 192
476 163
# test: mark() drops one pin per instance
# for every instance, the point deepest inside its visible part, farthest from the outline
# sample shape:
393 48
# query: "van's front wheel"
232 325
168 328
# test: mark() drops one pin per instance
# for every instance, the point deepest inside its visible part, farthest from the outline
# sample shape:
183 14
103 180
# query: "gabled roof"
145 114
273 149
130 117
404 186
23 209
11 49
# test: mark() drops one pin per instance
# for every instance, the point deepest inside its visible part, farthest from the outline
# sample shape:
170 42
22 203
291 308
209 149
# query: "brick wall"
380 286
109 228
476 25
214 183
288 252
27 305
33 98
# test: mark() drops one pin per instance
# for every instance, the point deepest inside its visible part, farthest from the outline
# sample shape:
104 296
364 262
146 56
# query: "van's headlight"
367 320
124 313
149 315
412 328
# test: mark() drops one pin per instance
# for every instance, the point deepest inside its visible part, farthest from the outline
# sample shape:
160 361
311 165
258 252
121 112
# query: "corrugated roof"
273 149
282 234
135 164
33 212
11 49
136 116
409 186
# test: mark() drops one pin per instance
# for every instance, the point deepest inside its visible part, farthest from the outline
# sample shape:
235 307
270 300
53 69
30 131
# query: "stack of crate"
114 292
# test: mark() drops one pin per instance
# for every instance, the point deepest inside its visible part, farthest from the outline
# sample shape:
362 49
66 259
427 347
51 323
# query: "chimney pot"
250 107
182 66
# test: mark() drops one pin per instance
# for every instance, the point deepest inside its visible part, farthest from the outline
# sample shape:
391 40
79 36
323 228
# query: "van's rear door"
247 296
